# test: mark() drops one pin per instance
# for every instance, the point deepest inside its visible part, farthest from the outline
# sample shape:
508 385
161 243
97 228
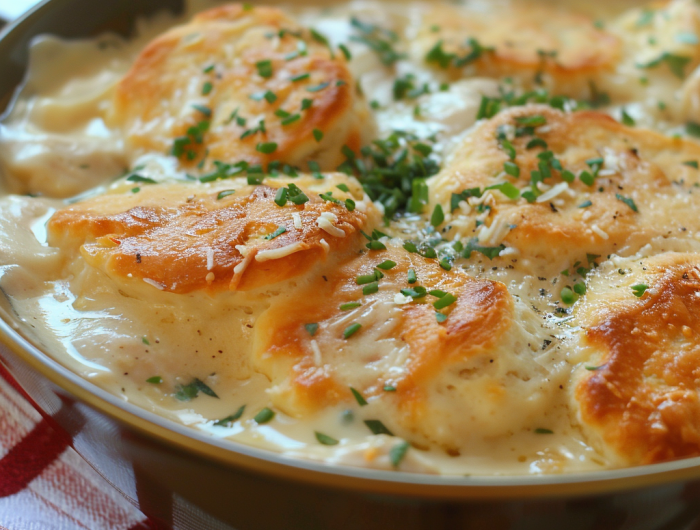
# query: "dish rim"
238 455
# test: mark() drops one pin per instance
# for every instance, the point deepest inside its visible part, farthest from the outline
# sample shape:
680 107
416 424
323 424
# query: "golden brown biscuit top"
582 182
526 41
639 394
181 238
241 84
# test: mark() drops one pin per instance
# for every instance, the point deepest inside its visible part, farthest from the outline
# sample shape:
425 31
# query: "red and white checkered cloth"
44 483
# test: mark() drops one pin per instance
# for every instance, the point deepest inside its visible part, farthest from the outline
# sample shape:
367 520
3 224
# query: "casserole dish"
156 463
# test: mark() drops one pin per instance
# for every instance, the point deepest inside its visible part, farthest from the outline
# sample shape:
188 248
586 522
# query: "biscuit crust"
638 401
234 78
181 238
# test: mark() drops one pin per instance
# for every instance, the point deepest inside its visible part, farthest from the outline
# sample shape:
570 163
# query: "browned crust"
519 35
643 401
169 242
152 102
649 163
482 312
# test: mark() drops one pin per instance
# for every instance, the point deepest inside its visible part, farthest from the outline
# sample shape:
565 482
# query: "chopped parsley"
377 427
358 397
318 135
280 230
351 330
325 439
629 202
398 452
266 147
192 390
639 289
206 88
379 40
474 246
264 415
156 380
225 422
225 193
627 119
676 63
437 218
444 301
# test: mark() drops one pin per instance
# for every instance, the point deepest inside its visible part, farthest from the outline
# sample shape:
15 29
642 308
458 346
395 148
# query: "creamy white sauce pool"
54 142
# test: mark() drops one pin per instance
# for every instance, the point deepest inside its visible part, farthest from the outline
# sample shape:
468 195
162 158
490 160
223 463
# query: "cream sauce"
55 143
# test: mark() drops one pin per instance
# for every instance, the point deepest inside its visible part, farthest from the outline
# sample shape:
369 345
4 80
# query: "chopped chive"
318 135
264 415
540 430
145 341
343 187
568 296
364 279
532 121
350 205
270 96
438 216
440 317
206 88
346 52
585 204
628 201
230 419
377 427
306 103
311 328
445 264
225 193
587 178
639 289
317 88
351 330
266 147
370 288
281 197
511 169
594 368
398 452
376 245
208 69
291 119
580 288
203 109
156 380
358 397
412 276
349 305
386 265
536 142
325 439
445 301
691 163
264 68
627 119
280 230
567 176
299 77
389 388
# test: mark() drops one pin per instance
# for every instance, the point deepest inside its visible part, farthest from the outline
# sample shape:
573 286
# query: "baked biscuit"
604 188
636 392
241 84
182 237
535 44
472 376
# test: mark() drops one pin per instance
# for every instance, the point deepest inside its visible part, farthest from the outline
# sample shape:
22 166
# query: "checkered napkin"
44 483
